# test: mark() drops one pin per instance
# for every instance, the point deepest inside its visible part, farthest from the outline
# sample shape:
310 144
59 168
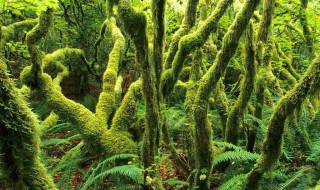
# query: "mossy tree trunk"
264 68
135 26
306 30
271 150
237 111
20 140
203 131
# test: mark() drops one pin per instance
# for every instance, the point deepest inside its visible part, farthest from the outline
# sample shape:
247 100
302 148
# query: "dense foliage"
159 94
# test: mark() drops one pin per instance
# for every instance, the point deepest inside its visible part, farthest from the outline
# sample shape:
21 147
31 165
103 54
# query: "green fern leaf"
234 183
236 156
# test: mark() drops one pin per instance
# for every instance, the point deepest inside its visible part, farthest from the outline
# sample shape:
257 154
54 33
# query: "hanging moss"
238 109
19 139
272 144
189 43
203 132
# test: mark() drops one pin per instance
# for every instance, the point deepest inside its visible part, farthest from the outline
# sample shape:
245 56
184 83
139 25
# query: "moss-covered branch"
19 139
33 38
203 132
238 109
187 23
272 144
106 103
189 43
135 26
8 32
50 121
221 104
94 131
99 40
306 30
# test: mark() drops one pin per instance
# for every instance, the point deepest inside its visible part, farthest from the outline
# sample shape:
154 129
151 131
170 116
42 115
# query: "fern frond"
176 182
236 156
59 128
120 157
227 145
289 183
70 159
131 172
69 165
234 183
51 142
257 120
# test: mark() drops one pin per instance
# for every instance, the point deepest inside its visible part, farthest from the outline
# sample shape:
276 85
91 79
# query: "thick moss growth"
187 23
92 129
203 132
106 103
237 111
19 139
271 150
8 32
189 43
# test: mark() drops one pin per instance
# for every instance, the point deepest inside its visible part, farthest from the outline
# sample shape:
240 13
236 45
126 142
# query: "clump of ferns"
239 162
119 171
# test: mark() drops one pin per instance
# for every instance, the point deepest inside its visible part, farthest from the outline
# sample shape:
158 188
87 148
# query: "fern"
177 183
227 145
234 183
68 165
236 156
55 142
256 120
120 156
60 128
131 172
289 183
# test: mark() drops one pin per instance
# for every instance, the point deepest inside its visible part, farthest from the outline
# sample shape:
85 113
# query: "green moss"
106 103
203 132
50 121
238 109
19 140
189 43
118 90
124 117
272 144
187 23
221 104
9 32
134 24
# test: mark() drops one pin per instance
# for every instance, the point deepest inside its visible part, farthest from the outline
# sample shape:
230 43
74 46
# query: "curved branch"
272 144
188 43
106 103
237 111
187 23
203 132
